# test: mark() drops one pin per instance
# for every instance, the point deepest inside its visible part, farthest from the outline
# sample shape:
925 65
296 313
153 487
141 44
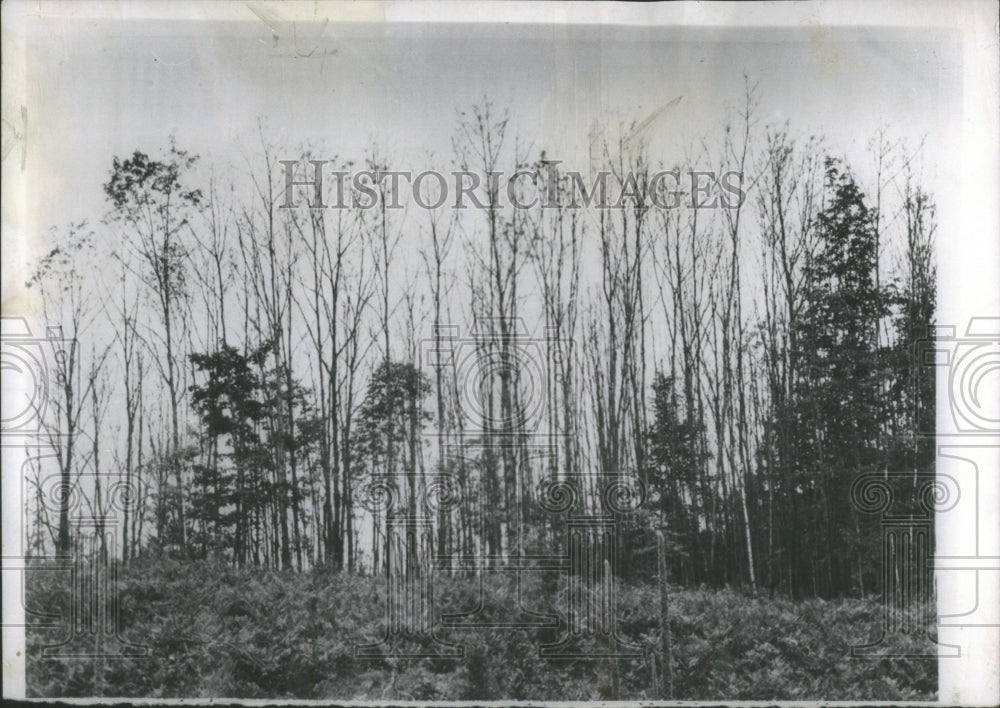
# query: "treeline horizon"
257 383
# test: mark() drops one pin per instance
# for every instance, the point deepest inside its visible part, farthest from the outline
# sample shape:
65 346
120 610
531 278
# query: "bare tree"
70 301
151 201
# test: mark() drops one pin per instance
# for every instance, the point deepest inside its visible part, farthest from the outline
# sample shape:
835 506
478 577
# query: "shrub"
216 631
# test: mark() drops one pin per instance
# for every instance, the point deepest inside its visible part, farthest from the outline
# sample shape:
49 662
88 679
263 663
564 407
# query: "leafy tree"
675 458
837 408
914 297
152 202
392 414
230 406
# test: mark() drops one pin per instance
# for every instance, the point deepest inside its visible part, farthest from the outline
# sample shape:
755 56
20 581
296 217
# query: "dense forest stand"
409 602
591 617
483 567
907 502
93 617
515 563
588 565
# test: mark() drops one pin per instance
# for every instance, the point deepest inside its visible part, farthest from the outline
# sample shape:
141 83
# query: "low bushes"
215 631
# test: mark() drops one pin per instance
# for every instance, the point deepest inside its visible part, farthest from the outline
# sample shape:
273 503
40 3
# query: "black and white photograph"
386 352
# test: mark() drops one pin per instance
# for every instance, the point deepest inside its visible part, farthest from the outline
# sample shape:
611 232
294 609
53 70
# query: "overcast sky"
96 89
99 88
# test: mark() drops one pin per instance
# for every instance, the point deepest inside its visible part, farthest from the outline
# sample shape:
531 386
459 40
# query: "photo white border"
969 210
